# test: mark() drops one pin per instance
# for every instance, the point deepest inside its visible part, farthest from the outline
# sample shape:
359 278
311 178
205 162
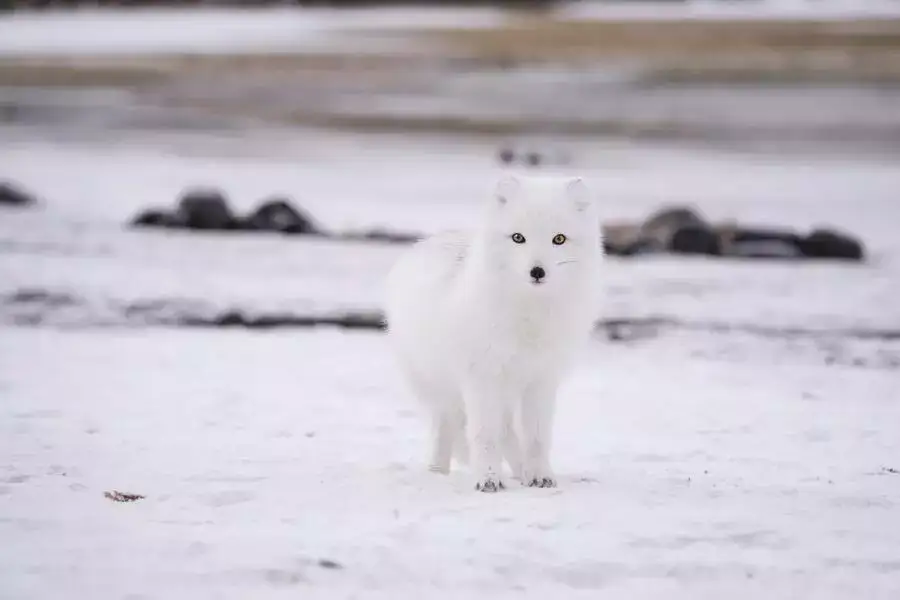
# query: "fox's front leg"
512 447
537 414
485 407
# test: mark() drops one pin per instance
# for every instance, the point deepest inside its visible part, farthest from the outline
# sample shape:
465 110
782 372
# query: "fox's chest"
522 341
531 334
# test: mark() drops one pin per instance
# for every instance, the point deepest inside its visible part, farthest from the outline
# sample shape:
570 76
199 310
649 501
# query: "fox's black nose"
538 273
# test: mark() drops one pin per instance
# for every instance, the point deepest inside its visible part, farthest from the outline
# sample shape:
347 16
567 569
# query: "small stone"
155 218
116 496
827 243
13 195
658 231
694 239
277 214
230 318
205 208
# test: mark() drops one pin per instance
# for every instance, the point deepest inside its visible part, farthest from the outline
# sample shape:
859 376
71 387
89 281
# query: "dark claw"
489 486
544 482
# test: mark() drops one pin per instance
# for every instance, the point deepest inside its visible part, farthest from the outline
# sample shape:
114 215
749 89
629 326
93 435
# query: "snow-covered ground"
694 463
215 30
261 455
77 244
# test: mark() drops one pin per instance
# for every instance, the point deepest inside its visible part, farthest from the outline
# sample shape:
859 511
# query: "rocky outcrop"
155 217
204 208
679 229
207 209
676 229
683 230
531 157
13 195
827 243
277 214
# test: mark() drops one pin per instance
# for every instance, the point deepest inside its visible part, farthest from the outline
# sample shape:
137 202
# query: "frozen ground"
694 463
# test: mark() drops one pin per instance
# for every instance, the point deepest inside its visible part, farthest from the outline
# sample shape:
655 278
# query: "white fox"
485 324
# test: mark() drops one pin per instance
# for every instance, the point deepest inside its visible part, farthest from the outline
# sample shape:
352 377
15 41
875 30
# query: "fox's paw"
541 482
490 485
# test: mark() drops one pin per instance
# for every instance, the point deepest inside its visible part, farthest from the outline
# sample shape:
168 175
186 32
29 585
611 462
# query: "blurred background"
765 129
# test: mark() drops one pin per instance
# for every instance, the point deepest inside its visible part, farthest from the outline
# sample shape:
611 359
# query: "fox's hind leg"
443 429
448 439
460 441
443 433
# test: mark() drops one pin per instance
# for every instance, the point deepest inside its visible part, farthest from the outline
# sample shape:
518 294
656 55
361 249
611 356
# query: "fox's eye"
518 238
559 239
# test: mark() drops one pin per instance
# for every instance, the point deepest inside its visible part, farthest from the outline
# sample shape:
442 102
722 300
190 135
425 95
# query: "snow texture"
261 455
692 463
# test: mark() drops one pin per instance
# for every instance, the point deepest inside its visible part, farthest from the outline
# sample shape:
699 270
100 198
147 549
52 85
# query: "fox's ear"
506 189
578 193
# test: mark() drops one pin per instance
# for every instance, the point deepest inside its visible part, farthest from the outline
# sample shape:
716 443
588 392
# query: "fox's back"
420 291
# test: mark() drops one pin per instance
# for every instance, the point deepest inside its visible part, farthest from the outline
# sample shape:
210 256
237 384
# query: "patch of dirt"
116 496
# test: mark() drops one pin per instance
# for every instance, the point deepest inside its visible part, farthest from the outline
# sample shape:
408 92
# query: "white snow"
693 464
111 32
261 454
78 243
216 30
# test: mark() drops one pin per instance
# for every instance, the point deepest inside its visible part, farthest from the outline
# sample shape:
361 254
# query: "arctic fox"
484 325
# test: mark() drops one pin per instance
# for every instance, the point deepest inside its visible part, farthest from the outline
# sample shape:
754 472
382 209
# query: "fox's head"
542 235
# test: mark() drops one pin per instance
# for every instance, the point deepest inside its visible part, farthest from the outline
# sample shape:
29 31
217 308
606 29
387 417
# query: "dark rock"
231 318
13 195
361 321
639 247
39 297
619 237
506 155
384 235
826 243
610 250
205 208
282 320
693 239
155 217
533 159
760 242
658 231
277 214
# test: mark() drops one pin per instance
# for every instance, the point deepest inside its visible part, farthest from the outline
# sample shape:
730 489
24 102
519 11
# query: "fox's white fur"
482 342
